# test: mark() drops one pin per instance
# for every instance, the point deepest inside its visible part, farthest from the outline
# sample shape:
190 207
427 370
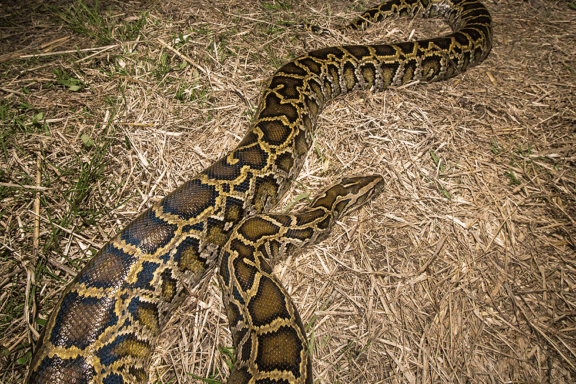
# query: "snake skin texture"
267 331
105 325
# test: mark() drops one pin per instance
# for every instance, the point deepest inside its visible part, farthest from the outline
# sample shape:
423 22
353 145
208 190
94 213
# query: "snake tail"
268 334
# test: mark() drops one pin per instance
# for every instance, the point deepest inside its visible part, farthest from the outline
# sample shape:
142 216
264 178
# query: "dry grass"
463 271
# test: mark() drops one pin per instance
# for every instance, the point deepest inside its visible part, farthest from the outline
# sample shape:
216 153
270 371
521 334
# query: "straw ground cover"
462 271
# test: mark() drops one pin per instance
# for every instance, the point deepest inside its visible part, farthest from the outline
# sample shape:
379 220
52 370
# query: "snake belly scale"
104 327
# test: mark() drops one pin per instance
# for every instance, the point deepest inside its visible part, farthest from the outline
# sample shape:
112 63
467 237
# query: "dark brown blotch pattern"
280 350
257 228
268 304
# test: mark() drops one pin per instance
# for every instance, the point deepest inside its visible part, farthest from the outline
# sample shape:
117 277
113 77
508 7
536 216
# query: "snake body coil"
104 327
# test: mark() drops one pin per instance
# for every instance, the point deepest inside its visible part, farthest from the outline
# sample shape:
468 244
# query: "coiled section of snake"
105 325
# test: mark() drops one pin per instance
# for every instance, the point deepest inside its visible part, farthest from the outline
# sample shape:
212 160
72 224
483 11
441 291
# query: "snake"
105 325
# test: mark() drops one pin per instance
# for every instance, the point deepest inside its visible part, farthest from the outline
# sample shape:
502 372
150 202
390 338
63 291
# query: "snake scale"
105 325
